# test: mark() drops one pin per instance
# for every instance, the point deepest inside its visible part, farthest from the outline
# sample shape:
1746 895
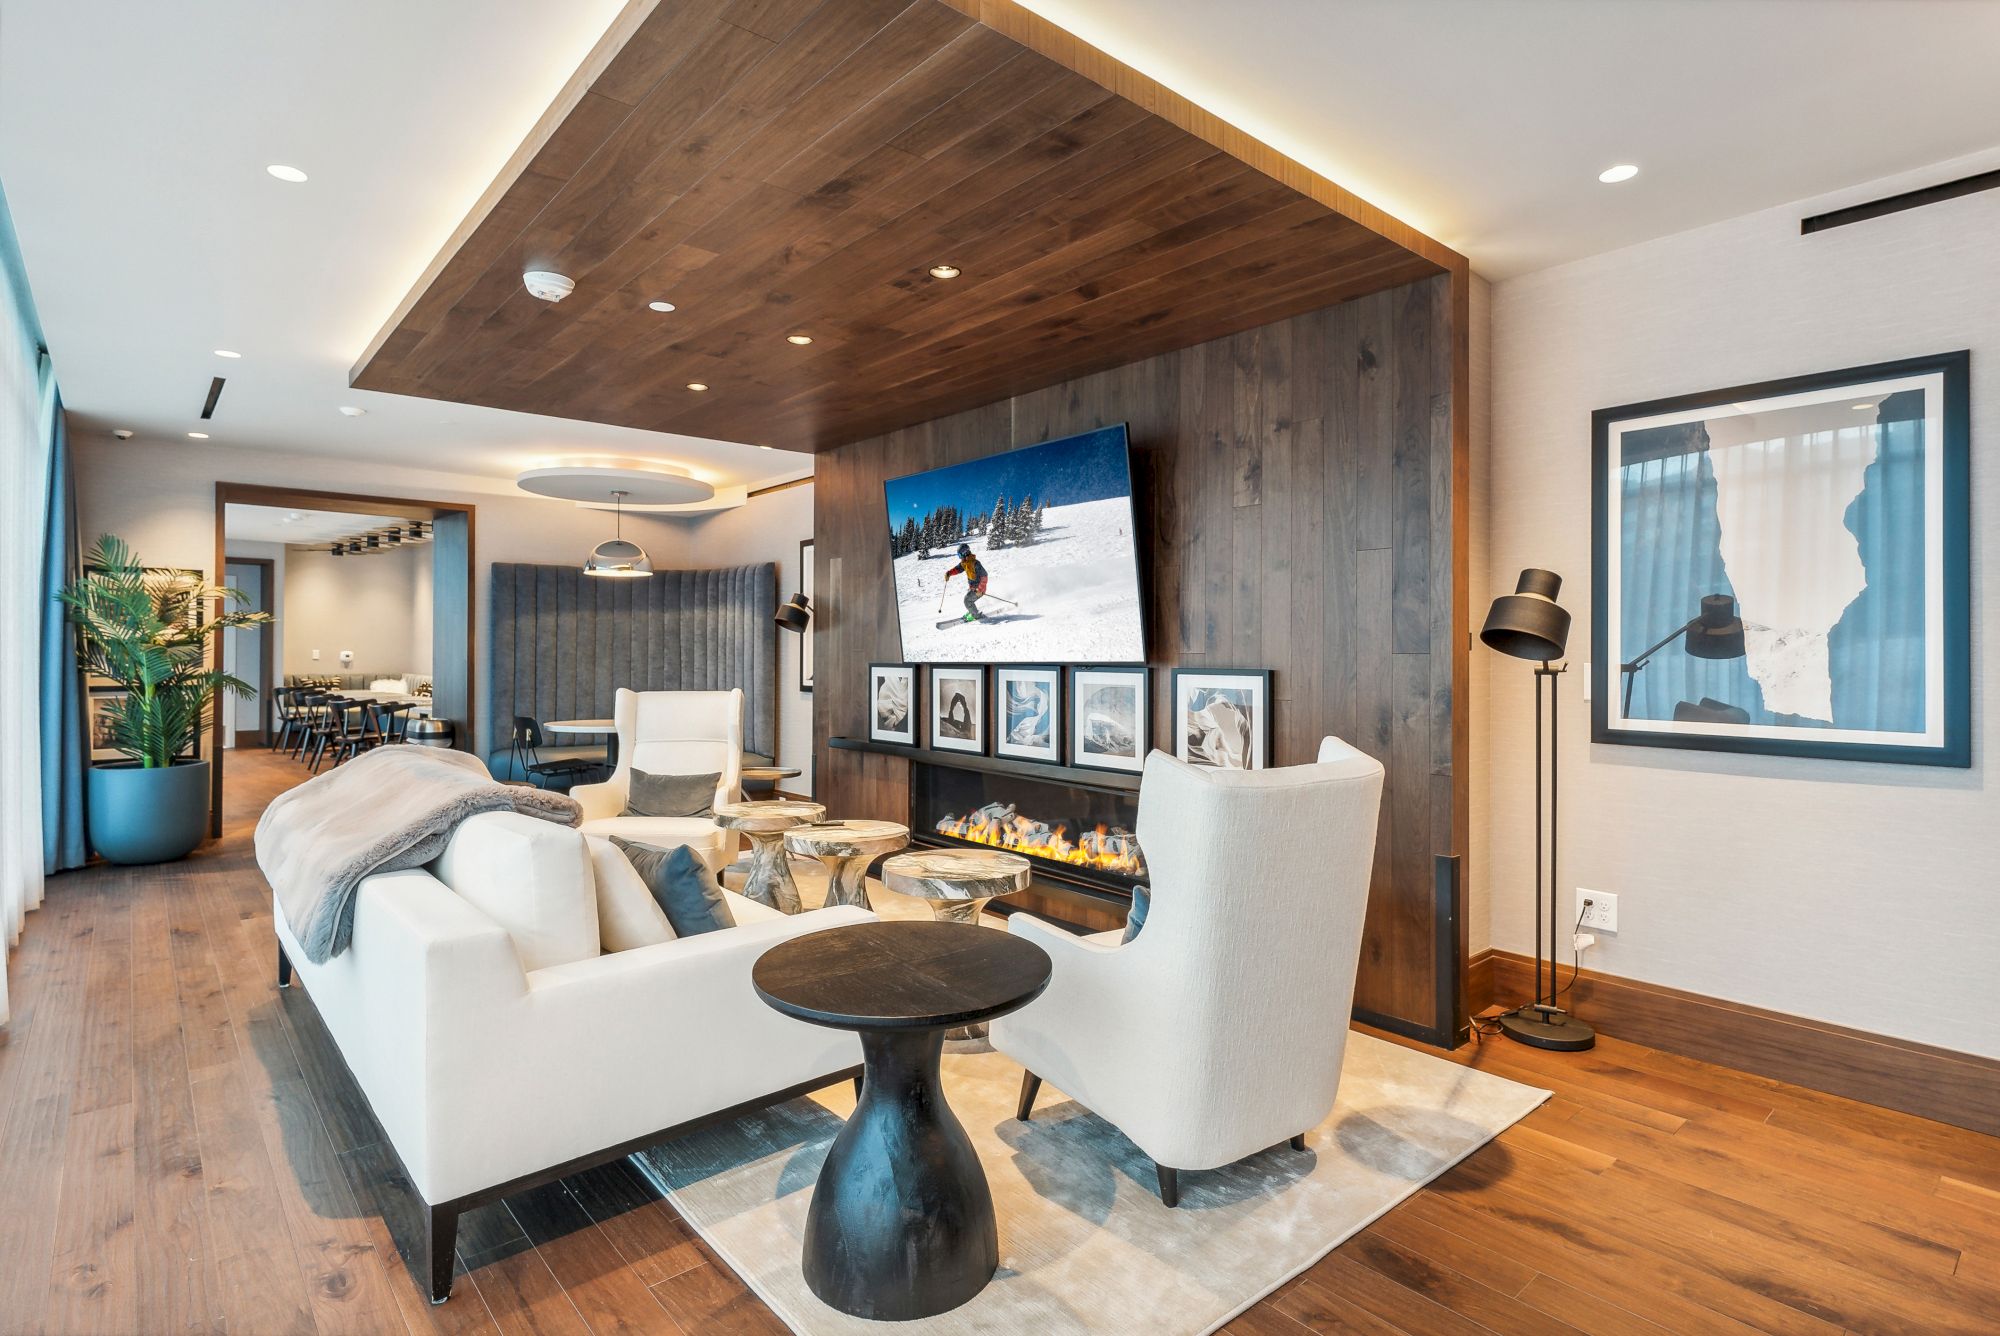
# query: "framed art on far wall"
1222 720
1027 706
892 703
806 640
1108 718
1785 568
958 708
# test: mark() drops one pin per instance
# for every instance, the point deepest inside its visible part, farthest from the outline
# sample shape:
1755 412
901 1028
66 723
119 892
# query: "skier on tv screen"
975 581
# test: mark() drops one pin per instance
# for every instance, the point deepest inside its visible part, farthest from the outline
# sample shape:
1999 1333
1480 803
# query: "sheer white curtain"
24 472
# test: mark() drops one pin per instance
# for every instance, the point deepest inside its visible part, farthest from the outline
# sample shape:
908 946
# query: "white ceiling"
133 141
280 524
1485 122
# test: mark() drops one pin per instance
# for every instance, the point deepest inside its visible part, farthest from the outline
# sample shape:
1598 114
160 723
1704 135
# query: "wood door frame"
266 638
358 503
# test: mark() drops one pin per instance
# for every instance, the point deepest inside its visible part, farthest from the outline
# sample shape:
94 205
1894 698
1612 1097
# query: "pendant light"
615 558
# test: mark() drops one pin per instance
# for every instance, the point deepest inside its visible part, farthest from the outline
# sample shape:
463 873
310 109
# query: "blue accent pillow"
682 886
1142 900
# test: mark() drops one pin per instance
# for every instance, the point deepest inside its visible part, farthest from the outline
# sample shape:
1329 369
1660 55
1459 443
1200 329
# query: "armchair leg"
440 1239
1031 1085
284 969
857 1085
1170 1186
1299 1141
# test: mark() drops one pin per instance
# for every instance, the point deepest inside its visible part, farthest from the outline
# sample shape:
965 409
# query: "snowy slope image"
1021 556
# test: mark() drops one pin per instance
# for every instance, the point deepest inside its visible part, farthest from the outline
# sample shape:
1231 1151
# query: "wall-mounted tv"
1022 557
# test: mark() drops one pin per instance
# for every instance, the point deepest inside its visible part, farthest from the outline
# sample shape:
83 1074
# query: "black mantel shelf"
1081 776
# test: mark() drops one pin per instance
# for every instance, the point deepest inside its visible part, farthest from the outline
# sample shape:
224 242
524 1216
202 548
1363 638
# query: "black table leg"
901 1223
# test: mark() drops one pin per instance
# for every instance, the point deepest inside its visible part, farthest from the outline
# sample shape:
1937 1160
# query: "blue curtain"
63 757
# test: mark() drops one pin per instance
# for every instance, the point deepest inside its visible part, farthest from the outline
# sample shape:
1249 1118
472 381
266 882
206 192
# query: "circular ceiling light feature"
661 307
351 410
697 386
284 173
1624 171
608 484
548 285
800 340
224 352
945 271
197 436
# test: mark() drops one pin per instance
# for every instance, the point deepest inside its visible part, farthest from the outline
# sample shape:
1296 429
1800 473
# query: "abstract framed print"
1785 568
1222 720
1027 708
958 708
892 703
1108 718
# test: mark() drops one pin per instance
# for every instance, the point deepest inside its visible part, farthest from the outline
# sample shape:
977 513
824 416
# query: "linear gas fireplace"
1072 833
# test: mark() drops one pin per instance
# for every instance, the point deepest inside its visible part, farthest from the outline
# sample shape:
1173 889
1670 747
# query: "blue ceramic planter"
148 816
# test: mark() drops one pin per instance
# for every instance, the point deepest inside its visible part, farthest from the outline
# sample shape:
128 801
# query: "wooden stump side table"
847 848
957 883
764 824
901 1222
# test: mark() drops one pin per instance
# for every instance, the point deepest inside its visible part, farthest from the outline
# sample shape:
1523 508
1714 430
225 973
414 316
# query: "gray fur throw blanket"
387 809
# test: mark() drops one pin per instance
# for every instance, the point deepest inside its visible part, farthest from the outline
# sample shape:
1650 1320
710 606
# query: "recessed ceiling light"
284 173
1624 171
1862 408
197 436
696 386
945 271
349 410
661 307
295 515
800 339
224 352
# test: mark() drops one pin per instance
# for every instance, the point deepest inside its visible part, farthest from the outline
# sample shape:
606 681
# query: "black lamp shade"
1718 631
794 616
1528 623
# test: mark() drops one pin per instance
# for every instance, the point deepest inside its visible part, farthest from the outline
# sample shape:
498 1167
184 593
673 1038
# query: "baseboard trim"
1962 1089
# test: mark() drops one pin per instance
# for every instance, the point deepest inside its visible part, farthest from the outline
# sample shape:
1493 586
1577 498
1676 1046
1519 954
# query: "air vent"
1909 199
214 393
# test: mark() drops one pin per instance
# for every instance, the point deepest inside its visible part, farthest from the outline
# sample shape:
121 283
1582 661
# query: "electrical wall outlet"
1599 908
315 656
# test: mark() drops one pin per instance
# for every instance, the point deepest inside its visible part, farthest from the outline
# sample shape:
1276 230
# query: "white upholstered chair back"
1220 1029
680 733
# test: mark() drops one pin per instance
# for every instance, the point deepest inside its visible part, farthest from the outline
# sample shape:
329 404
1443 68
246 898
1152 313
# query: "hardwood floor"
181 1150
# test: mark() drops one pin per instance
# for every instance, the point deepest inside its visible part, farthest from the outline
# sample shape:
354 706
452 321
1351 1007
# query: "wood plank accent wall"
1301 510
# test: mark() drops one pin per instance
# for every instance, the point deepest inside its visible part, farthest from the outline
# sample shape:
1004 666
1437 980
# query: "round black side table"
901 1222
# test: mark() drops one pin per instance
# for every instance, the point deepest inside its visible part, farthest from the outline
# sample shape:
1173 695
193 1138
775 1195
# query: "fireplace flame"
1104 848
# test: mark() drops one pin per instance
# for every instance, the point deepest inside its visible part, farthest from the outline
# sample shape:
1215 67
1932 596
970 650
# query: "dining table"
573 728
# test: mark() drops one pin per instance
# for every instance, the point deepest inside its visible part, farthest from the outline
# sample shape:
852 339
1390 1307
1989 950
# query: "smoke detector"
123 433
549 286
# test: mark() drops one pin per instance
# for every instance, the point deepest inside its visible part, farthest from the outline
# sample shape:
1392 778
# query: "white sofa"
1219 1030
671 733
492 1071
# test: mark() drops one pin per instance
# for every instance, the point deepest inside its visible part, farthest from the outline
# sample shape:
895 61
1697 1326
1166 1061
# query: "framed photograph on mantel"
1027 704
1108 718
1785 568
1222 719
892 703
958 708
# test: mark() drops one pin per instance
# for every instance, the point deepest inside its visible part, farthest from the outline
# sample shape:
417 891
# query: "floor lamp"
1530 624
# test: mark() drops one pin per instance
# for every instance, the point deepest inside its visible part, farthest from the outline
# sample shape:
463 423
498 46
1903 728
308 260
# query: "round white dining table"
586 727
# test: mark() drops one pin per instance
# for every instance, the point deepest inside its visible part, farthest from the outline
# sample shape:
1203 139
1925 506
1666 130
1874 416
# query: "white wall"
378 606
769 528
1863 895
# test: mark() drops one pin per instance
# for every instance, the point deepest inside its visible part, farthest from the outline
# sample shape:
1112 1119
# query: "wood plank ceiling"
780 167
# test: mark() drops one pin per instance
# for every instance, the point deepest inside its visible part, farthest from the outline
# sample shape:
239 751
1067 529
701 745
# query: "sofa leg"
440 1241
1031 1086
1170 1186
1299 1141
284 968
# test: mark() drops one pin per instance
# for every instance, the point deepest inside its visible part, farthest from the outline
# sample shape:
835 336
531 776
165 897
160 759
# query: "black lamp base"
1542 1026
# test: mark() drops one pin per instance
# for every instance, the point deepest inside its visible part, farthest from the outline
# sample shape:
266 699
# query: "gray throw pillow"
1142 900
682 885
671 795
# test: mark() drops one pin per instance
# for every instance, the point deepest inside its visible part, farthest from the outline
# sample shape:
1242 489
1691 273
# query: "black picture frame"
981 712
1257 680
913 735
1090 677
1954 518
1058 721
810 590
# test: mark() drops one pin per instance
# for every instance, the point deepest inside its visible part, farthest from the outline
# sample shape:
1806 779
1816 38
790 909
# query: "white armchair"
671 733
1219 1030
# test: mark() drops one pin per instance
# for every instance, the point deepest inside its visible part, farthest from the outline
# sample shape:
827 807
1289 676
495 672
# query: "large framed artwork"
1785 568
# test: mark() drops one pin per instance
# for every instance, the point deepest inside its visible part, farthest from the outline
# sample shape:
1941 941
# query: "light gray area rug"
1085 1245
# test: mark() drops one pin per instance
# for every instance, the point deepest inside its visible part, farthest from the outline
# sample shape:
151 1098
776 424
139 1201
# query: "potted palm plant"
149 633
